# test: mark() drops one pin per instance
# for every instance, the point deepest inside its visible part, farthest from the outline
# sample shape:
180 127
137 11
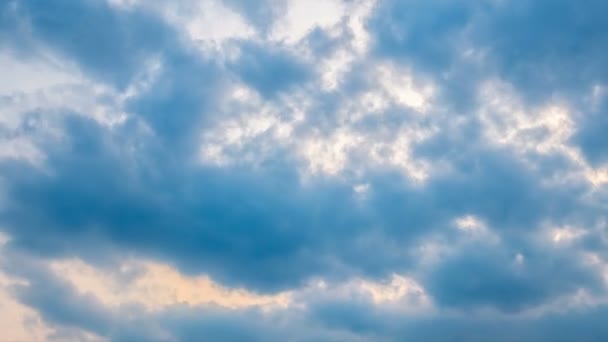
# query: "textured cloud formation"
369 170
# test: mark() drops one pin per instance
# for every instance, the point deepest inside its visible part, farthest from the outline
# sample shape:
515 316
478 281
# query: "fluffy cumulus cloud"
362 170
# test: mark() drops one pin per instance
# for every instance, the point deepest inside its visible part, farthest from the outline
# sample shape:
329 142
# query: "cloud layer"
303 170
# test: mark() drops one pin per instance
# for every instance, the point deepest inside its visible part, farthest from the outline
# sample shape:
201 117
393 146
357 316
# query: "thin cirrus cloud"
341 170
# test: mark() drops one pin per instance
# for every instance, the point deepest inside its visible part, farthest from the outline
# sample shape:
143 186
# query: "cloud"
326 315
269 70
383 170
110 44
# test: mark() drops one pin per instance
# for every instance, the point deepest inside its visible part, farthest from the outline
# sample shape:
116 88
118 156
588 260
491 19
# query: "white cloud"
404 89
544 130
305 15
28 76
399 289
211 23
566 235
157 286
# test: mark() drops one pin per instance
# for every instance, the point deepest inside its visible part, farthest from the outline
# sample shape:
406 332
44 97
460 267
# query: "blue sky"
303 170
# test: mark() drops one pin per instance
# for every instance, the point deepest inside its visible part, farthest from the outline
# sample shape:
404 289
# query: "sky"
303 170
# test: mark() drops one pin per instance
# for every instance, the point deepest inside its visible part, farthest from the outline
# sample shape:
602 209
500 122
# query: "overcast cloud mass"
303 170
